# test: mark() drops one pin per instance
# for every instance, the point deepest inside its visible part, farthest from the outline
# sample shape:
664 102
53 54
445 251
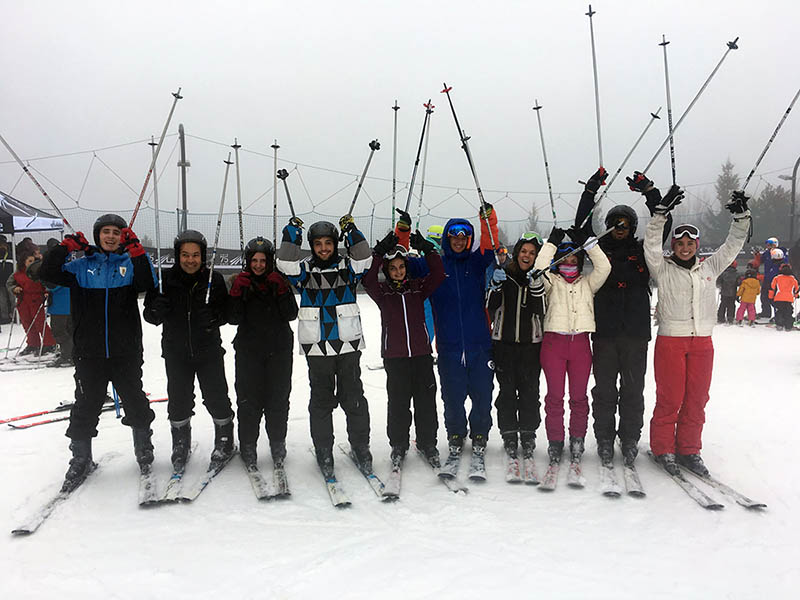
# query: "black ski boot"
143 448
278 452
667 461
79 466
605 450
249 454
510 443
181 443
575 448
694 463
363 458
223 440
479 444
630 450
431 454
455 443
527 440
325 462
398 455
554 451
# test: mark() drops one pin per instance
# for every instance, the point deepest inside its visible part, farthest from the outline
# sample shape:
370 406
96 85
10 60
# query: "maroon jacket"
403 330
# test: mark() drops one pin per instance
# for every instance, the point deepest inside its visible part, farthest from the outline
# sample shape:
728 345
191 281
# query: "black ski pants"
336 381
518 370
61 326
263 385
408 378
210 373
626 358
783 314
92 376
727 309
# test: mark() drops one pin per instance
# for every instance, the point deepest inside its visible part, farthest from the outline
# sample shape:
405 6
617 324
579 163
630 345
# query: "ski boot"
223 440
181 442
143 448
79 466
510 443
278 452
554 451
575 448
325 462
605 450
630 450
455 443
479 444
249 454
363 458
431 454
667 461
398 455
527 440
694 463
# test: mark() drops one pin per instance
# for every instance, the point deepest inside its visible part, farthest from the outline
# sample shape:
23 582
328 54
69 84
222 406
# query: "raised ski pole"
731 46
419 152
228 164
373 146
465 146
236 145
36 183
664 44
653 117
771 139
429 107
275 147
590 14
282 174
537 108
395 108
177 96
152 145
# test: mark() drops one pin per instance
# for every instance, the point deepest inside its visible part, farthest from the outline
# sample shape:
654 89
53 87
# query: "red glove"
75 242
130 243
278 282
240 284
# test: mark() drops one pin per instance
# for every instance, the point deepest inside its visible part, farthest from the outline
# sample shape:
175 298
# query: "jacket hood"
448 252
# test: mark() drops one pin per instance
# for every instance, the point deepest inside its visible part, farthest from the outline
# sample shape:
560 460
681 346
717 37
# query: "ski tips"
733 45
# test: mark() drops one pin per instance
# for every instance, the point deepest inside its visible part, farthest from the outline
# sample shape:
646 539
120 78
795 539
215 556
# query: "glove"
292 233
556 236
130 243
240 284
485 211
595 181
386 245
673 197
579 236
534 274
421 243
498 277
405 219
75 242
277 283
639 183
160 307
738 203
346 224
203 317
296 222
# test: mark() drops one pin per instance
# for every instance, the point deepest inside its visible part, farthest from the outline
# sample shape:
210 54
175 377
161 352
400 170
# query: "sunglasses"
687 229
459 231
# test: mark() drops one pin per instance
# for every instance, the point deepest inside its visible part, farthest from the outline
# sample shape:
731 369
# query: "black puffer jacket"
263 317
191 328
516 309
728 281
622 305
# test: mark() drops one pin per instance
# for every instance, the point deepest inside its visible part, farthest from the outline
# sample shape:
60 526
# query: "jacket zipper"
461 318
405 322
519 315
108 270
189 318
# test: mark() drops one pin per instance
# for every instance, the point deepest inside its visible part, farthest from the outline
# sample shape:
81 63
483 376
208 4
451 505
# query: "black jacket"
191 328
622 305
728 281
263 318
104 292
517 309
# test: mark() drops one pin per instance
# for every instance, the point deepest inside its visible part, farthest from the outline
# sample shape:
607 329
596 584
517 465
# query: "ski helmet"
435 233
399 251
773 241
190 235
785 269
776 254
262 245
322 229
104 221
622 210
529 237
565 248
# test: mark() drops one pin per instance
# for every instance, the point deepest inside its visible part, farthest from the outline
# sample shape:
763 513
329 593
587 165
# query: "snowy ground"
497 541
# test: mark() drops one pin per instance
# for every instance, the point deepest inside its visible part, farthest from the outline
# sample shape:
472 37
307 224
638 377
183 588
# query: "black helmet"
622 210
322 229
105 220
190 235
260 244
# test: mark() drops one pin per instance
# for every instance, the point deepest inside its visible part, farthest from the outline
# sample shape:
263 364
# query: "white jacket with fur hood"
570 306
687 298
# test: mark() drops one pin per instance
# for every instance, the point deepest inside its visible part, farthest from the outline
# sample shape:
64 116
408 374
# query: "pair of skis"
524 472
11 422
448 472
575 478
339 498
263 489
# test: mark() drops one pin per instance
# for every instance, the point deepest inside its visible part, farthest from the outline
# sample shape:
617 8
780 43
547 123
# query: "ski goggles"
531 236
397 252
686 229
459 230
502 251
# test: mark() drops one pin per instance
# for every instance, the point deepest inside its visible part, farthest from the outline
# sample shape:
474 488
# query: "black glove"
579 236
673 197
738 203
485 211
421 243
386 245
639 183
160 307
405 219
595 181
556 236
204 318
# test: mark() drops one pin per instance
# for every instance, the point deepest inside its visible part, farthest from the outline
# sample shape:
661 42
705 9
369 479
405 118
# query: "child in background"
746 294
726 283
783 292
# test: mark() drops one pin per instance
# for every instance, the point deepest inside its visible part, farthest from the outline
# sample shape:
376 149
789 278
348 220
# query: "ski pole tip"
374 145
177 95
446 89
733 45
591 12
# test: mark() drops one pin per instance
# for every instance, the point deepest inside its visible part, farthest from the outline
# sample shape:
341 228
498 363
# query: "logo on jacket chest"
123 270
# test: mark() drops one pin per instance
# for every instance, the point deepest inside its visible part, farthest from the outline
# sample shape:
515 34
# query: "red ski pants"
27 310
682 368
566 356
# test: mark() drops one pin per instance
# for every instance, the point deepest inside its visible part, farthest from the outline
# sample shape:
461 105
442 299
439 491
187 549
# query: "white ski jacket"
687 298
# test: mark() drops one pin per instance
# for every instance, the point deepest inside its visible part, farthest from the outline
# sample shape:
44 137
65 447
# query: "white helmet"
776 254
773 241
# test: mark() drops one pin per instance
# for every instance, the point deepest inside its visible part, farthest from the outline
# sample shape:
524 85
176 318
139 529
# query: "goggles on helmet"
459 230
397 252
686 229
531 236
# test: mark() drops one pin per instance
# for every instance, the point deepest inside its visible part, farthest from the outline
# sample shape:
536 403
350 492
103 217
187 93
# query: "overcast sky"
321 78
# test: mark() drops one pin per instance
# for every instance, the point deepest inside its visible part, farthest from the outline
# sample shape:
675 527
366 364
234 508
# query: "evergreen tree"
717 222
533 220
771 212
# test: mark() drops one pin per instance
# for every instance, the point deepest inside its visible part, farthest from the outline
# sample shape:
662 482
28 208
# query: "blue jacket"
59 300
458 304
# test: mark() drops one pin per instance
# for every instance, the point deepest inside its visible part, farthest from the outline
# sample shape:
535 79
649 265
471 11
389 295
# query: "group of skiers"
537 315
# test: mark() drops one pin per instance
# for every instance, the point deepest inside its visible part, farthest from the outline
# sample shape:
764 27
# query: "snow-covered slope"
498 540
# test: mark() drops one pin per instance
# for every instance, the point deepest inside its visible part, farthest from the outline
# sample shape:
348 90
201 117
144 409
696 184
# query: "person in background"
783 292
727 283
6 271
59 310
771 258
747 294
31 305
